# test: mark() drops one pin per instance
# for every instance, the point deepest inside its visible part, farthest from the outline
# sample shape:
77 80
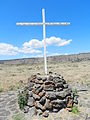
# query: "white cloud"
34 43
32 47
27 50
8 49
55 41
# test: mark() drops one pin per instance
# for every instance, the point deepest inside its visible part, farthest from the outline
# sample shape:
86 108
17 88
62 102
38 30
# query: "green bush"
75 110
22 99
75 92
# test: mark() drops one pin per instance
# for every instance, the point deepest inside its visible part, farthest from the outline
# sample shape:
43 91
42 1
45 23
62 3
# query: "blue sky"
18 42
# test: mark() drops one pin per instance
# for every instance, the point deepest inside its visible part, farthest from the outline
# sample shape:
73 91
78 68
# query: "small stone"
35 88
39 106
30 102
57 79
40 112
65 86
42 100
55 110
37 91
30 85
32 112
49 87
48 104
26 109
57 103
60 94
49 83
45 114
50 72
70 103
41 94
59 85
50 77
32 78
39 78
51 95
44 79
36 97
59 89
30 93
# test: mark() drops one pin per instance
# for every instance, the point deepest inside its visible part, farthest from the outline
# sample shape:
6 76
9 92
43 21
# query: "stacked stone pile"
49 94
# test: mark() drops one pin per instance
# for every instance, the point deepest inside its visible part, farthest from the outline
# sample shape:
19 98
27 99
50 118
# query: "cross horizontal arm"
40 23
29 24
57 23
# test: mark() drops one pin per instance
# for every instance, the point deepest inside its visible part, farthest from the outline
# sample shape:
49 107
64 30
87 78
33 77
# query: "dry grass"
10 75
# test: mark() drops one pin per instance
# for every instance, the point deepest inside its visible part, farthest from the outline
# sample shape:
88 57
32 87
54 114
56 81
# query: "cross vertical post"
44 24
44 38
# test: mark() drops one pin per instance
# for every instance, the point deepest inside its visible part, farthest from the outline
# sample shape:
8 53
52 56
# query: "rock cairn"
49 94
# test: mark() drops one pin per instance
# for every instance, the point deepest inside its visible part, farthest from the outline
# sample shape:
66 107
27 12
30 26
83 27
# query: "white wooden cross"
44 31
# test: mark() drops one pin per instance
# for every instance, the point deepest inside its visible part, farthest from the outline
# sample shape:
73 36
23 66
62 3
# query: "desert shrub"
12 87
20 84
22 99
75 92
75 110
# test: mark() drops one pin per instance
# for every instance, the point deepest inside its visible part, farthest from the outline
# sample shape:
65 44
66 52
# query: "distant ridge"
51 59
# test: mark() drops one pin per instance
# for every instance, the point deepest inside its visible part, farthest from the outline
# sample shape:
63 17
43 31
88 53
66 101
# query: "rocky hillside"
51 59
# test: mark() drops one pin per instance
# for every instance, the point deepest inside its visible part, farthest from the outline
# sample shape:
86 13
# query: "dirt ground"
11 75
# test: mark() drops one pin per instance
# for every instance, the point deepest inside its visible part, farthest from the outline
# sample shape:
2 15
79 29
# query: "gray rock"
30 85
36 97
58 85
57 103
59 89
49 87
48 104
36 86
51 95
39 112
26 109
55 110
44 79
45 114
30 102
65 86
30 93
38 90
41 94
39 78
32 112
57 79
50 78
39 106
60 94
42 100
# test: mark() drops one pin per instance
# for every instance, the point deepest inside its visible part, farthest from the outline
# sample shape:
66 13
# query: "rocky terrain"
16 72
9 107
51 59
